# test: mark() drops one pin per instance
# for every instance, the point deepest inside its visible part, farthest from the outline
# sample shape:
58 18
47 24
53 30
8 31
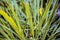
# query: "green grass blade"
45 13
29 18
3 33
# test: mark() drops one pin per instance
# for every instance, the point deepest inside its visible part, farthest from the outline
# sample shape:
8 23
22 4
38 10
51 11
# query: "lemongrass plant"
28 20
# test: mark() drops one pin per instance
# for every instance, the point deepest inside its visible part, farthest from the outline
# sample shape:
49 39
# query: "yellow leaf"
40 11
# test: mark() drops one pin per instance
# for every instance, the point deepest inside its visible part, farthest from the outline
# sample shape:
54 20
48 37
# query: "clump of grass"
28 20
